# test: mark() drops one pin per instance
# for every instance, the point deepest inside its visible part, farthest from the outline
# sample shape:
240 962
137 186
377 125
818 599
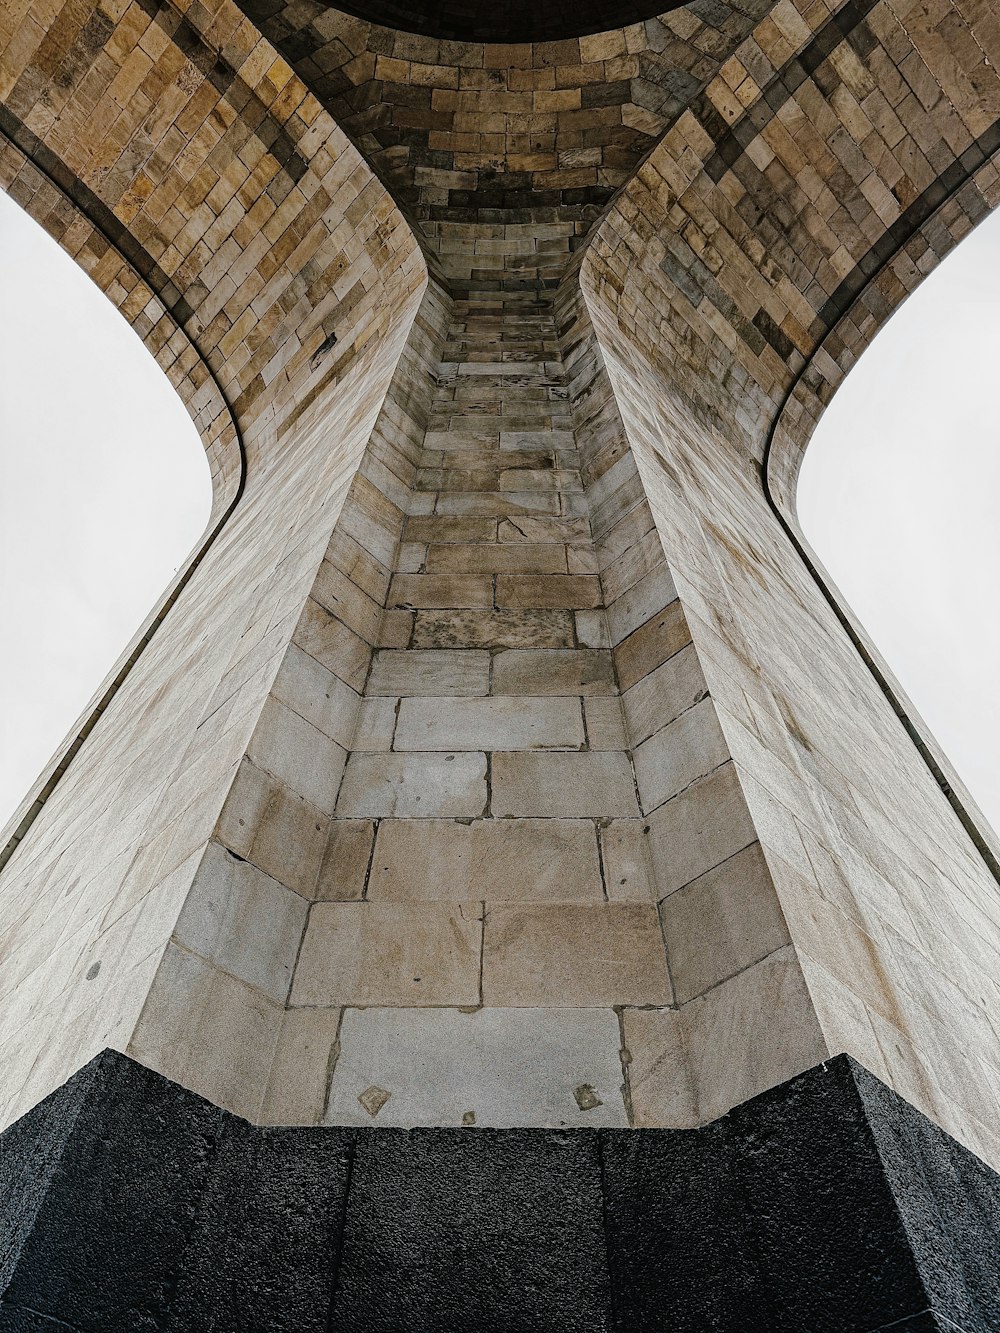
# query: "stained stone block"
628 866
390 954
549 590
664 694
513 860
345 861
553 671
428 671
241 920
596 785
736 909
441 590
494 629
646 598
498 558
380 785
610 954
678 754
451 1257
490 1067
651 644
489 724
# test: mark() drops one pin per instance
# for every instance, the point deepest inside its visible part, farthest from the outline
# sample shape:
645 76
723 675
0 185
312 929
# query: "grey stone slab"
489 724
415 671
380 785
594 784
499 860
490 1067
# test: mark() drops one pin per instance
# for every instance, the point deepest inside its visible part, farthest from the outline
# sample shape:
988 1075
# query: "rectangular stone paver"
517 860
577 955
596 784
390 953
493 1067
489 724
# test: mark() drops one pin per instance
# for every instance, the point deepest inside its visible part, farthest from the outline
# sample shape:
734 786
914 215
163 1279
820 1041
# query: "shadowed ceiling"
505 154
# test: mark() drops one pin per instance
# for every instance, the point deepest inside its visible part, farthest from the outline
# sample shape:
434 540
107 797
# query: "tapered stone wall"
502 763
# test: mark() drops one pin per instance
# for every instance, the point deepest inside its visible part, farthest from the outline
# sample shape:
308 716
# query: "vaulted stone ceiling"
505 154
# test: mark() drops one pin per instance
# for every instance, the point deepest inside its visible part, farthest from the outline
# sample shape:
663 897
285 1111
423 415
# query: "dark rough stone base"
828 1204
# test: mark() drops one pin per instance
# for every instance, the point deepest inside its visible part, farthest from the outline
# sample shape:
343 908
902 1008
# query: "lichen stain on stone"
373 1099
586 1098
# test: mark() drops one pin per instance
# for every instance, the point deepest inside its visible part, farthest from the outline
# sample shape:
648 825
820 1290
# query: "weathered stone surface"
490 1067
429 672
390 953
430 785
520 452
553 671
516 860
556 785
489 724
611 954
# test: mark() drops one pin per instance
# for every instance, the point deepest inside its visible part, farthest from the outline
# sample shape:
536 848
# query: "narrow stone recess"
480 970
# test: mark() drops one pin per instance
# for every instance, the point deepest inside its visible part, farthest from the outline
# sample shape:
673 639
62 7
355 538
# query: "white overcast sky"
105 489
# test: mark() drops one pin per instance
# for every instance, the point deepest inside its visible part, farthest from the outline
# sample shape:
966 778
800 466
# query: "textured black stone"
498 1231
827 1204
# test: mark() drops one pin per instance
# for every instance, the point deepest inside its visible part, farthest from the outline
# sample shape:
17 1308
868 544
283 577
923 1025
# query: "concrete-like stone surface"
488 1067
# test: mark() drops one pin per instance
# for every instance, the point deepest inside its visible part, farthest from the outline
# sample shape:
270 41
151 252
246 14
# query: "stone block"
553 671
749 1033
566 954
722 923
643 600
549 590
605 724
390 954
499 860
429 671
662 695
376 725
701 827
678 754
299 1079
490 1067
494 629
441 590
300 756
344 868
661 1093
333 645
573 785
316 694
497 558
628 866
651 644
241 920
377 786
489 724
208 1031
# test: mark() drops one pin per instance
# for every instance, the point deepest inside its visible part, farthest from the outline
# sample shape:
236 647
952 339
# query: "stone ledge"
826 1204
